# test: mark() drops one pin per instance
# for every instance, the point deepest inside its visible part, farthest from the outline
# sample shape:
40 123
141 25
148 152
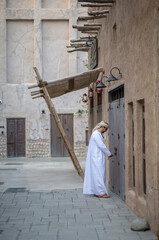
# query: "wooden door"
16 137
117 144
58 148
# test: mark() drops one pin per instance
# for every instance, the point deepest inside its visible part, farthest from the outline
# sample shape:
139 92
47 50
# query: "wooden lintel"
97 1
94 13
96 5
91 17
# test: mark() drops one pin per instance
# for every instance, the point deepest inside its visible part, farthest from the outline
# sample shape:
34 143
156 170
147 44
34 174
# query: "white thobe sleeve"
101 144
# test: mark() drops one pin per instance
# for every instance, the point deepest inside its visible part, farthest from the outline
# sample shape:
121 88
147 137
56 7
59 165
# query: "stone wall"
37 148
3 149
129 40
80 149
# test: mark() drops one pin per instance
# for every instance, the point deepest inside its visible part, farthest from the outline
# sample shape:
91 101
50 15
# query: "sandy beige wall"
128 40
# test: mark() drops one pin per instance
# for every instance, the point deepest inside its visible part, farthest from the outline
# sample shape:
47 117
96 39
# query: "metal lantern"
90 93
84 98
98 90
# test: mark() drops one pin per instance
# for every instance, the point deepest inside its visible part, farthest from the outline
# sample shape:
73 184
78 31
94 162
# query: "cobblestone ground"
60 214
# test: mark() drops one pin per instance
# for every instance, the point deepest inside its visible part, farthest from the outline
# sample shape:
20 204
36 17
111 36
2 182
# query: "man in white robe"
95 171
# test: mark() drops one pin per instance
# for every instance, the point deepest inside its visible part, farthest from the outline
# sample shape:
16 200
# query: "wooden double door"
16 137
58 148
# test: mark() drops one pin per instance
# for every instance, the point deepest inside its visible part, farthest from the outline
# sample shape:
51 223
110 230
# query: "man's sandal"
102 196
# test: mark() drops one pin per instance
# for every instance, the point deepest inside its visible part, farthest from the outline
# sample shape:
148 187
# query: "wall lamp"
88 42
101 85
112 77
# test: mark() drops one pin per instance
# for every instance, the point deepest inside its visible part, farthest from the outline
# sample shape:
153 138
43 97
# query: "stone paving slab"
71 216
35 204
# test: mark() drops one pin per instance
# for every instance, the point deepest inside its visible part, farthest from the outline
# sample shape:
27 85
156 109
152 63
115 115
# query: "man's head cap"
101 124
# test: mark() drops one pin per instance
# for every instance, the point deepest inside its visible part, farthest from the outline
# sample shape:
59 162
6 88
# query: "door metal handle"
115 151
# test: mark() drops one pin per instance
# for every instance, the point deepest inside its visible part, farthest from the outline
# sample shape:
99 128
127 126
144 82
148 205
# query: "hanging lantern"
98 90
84 98
90 93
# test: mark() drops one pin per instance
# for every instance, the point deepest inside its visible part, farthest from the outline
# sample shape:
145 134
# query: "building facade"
128 41
35 33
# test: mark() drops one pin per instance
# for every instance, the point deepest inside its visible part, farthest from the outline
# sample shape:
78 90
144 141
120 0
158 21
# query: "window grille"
116 94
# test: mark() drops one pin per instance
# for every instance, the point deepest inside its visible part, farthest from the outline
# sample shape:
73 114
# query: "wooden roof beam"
82 39
82 49
93 24
95 32
78 40
96 5
76 45
83 28
94 13
89 37
91 17
97 1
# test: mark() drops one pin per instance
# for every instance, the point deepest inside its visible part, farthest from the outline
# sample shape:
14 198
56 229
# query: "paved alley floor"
41 199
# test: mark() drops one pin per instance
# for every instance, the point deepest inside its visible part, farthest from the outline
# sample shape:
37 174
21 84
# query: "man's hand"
111 155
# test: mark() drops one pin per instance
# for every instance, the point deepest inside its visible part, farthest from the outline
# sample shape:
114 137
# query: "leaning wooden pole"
53 112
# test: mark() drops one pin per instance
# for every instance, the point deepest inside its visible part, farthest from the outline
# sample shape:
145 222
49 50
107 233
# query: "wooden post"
51 107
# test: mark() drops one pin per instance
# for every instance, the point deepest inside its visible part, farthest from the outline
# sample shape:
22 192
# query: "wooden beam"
95 5
78 40
87 32
91 17
84 49
85 38
89 28
38 96
76 45
97 1
95 13
59 125
36 92
93 24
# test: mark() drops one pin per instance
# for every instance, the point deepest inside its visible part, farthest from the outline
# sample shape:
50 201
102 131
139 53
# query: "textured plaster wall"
55 38
20 50
36 33
128 40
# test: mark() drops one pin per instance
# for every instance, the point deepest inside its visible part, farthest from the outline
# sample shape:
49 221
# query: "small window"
116 94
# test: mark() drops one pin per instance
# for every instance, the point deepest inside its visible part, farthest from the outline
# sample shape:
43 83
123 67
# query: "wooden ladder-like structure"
44 93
